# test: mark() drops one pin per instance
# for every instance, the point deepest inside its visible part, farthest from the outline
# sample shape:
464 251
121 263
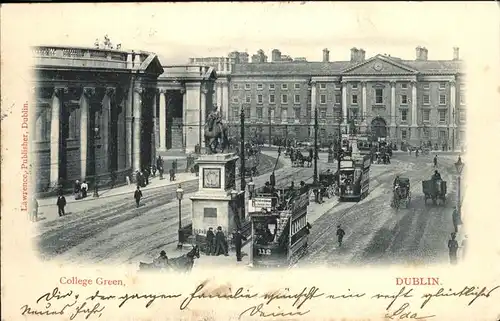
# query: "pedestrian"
340 235
220 243
174 165
34 209
456 219
137 195
172 174
146 175
153 170
453 248
159 166
435 160
210 241
76 189
84 188
61 203
238 238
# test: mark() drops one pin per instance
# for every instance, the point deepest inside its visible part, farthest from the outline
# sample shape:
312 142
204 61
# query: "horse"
213 132
183 263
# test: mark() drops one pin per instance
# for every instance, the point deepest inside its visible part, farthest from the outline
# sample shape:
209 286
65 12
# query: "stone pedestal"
211 205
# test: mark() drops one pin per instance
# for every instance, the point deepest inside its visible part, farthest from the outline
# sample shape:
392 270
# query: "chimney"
424 53
354 54
326 55
456 55
361 55
275 55
418 53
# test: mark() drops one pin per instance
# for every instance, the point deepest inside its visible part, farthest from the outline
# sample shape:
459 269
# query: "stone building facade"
403 100
102 114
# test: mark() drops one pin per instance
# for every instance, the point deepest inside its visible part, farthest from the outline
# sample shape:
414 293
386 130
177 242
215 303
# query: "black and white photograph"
251 137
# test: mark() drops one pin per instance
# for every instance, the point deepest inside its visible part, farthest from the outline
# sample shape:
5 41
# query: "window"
284 114
442 99
462 116
404 86
463 88
248 113
426 99
271 86
259 99
284 86
442 116
235 86
247 99
442 135
296 99
260 86
271 114
322 99
404 99
338 98
236 114
259 112
426 115
248 86
284 99
404 134
297 113
379 98
426 86
354 99
404 115
426 132
297 86
442 85
322 86
272 99
462 99
235 100
322 113
354 86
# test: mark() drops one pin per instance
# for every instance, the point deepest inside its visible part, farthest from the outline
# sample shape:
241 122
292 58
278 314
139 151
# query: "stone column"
393 103
414 125
154 135
344 103
225 100
137 126
163 120
84 130
219 93
122 134
363 101
203 114
452 115
128 126
106 113
55 131
184 118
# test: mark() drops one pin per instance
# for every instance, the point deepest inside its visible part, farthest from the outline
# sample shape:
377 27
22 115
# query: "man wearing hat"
161 262
238 238
220 242
453 248
340 234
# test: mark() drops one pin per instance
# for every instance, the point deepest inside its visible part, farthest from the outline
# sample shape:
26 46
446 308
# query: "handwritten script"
404 303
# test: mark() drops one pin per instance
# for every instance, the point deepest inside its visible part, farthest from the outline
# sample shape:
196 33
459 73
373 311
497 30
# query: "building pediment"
151 65
379 65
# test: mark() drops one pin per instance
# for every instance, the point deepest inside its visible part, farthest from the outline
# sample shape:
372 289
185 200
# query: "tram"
279 227
354 177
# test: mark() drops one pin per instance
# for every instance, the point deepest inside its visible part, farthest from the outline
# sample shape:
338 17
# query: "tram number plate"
264 251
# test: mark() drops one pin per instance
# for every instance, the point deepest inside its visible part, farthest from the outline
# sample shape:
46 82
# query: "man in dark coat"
137 195
456 219
210 241
453 248
61 203
435 161
238 238
220 243
340 235
159 166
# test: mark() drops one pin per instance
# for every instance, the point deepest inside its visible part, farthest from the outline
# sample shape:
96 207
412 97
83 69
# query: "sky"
179 31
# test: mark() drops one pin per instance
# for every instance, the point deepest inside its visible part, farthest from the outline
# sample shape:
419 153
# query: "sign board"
258 203
346 164
301 202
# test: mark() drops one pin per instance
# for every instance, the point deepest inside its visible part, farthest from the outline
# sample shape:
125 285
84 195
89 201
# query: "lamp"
234 194
459 165
180 193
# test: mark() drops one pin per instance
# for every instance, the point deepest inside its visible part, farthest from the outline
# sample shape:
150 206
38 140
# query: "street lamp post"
180 193
339 152
242 171
316 153
95 135
459 166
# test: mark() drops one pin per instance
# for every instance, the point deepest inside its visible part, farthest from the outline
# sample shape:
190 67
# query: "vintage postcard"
250 161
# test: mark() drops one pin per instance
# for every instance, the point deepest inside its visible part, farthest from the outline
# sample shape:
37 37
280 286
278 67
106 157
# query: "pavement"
112 230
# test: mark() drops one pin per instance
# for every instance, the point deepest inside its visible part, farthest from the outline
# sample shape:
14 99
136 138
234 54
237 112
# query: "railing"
88 53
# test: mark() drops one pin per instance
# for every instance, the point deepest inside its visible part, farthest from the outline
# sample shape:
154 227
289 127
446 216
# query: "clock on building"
211 178
377 66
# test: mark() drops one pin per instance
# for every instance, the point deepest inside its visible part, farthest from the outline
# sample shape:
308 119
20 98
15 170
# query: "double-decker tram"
279 227
354 177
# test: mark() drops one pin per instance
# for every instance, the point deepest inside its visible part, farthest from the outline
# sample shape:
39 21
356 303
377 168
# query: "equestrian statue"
215 133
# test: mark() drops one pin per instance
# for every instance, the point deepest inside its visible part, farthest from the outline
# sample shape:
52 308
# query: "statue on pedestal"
215 132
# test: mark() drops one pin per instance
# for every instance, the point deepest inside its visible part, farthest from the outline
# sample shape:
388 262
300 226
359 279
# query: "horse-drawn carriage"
401 193
434 189
329 183
299 160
